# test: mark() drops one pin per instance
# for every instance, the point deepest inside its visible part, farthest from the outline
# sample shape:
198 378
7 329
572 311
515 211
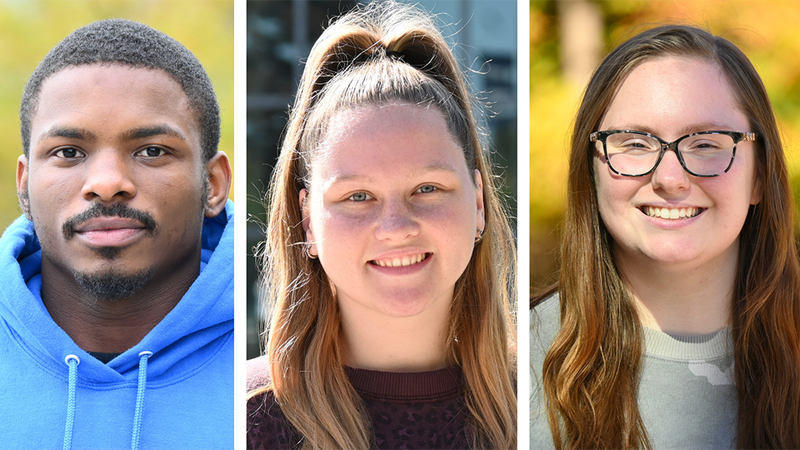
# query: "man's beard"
111 286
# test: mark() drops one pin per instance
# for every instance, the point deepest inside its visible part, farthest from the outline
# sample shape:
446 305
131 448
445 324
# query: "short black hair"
119 41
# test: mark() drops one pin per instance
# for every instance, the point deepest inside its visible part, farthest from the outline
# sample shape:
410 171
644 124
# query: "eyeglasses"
702 154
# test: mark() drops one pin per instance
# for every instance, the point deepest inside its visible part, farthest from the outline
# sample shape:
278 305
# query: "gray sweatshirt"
687 396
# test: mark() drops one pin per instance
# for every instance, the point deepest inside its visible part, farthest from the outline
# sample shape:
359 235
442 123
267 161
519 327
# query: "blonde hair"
384 52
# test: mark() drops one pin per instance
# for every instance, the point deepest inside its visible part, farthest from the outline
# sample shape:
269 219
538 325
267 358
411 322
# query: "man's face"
114 178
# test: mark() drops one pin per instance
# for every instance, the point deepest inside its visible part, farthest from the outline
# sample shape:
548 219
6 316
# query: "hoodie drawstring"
137 416
72 361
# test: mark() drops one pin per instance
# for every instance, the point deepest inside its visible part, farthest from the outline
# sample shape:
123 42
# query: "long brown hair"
591 372
381 53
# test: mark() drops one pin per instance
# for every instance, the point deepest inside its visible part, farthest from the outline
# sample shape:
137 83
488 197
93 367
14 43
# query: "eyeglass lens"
637 154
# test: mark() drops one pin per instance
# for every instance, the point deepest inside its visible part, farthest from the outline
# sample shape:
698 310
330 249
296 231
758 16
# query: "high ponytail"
384 52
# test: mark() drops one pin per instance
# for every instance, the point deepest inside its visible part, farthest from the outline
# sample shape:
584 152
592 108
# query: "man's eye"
151 152
426 189
69 153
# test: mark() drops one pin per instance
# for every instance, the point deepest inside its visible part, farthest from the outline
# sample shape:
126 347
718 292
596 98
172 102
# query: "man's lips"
102 218
110 231
107 224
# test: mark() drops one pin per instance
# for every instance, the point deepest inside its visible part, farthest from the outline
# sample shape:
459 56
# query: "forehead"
673 96
396 136
109 99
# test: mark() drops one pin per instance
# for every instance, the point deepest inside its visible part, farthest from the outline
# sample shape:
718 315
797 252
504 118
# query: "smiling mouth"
670 213
400 262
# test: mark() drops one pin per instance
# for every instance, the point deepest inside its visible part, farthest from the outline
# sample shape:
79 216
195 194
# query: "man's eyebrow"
150 131
70 133
130 135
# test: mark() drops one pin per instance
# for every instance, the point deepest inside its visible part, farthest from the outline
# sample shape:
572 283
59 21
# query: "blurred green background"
568 39
30 28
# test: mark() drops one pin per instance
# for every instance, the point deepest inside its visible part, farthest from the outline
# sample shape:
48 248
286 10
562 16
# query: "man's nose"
108 177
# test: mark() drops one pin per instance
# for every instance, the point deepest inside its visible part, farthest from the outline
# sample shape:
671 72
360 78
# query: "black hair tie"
394 55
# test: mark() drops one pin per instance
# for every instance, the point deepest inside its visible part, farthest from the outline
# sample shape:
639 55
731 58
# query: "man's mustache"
116 210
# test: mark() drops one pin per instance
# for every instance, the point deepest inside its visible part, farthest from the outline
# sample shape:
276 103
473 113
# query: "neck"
391 344
686 300
112 325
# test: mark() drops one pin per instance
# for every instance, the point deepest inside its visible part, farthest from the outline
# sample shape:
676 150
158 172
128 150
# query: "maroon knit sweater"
423 410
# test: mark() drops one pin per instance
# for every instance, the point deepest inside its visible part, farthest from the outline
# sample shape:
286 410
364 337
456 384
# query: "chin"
112 285
408 305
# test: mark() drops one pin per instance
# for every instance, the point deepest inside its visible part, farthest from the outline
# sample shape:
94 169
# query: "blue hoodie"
173 390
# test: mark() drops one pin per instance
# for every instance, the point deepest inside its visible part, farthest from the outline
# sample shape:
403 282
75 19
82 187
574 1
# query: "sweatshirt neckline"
712 346
413 386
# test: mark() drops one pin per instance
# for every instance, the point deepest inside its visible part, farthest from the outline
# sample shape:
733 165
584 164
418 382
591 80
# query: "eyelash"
419 190
351 198
59 153
144 149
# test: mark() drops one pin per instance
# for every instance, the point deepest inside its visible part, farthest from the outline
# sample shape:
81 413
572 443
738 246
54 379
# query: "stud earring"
479 235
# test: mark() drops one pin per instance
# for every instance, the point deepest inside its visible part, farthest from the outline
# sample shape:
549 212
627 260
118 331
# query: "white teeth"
400 262
670 213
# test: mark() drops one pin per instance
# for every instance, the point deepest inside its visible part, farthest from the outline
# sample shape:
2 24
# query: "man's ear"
218 170
22 186
306 222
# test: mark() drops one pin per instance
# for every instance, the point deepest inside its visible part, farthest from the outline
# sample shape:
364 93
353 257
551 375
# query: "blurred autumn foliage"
568 38
29 29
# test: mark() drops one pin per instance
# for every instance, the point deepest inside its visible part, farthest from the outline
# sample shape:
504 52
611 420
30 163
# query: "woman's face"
392 211
671 97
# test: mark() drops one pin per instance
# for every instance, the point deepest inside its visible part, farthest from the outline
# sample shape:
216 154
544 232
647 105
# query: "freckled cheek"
452 217
452 229
337 229
451 225
618 193
607 199
616 209
603 185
